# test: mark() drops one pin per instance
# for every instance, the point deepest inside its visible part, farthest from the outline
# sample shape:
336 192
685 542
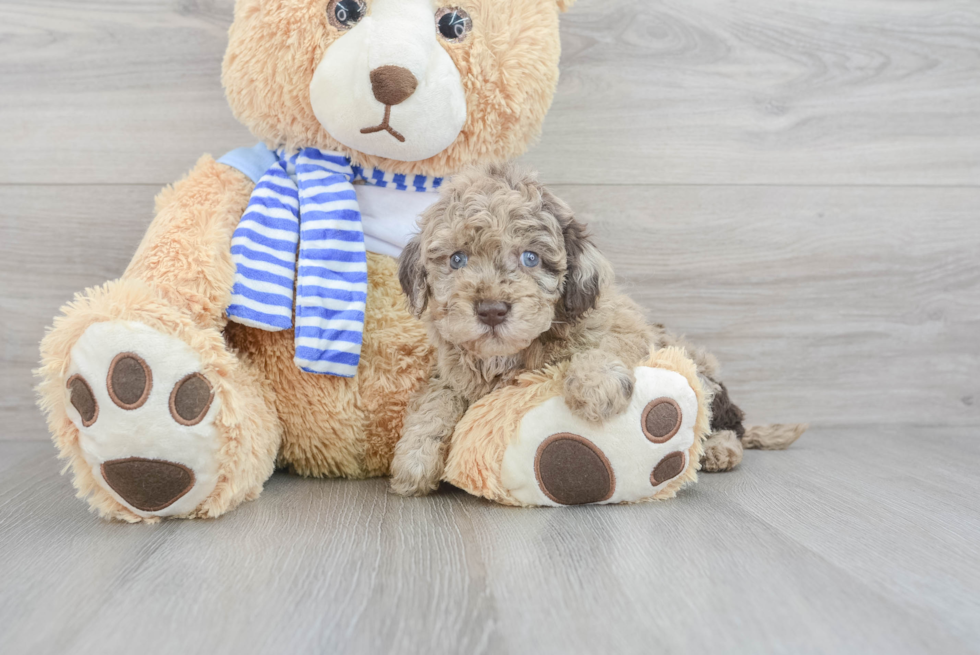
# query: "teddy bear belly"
346 427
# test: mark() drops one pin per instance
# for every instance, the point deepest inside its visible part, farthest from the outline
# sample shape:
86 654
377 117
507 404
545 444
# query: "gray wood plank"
860 496
830 305
56 241
794 185
840 306
112 91
830 92
764 559
754 92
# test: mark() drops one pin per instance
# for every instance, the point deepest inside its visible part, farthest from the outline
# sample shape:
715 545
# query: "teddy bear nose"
393 85
492 312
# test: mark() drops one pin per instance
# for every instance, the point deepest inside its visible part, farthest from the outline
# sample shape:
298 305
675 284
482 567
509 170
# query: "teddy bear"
261 323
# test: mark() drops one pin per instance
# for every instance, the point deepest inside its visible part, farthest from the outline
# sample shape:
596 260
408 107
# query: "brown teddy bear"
261 323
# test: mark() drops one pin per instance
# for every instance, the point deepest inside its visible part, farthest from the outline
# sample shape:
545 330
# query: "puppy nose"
492 312
392 84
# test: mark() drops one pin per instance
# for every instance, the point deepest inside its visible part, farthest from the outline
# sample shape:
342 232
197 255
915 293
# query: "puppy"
507 280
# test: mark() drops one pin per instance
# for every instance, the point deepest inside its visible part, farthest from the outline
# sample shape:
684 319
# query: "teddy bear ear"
565 5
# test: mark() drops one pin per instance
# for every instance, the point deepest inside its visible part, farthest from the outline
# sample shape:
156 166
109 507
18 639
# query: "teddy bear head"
409 86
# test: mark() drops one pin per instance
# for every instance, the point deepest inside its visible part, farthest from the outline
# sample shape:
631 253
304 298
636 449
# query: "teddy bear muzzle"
387 87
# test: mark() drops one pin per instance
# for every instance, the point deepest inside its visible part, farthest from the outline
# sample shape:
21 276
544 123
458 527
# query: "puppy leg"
598 386
723 447
722 451
420 455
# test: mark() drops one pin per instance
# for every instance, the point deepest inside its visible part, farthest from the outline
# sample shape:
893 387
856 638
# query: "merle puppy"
507 281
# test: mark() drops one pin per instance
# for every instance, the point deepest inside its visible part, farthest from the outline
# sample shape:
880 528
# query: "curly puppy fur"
564 308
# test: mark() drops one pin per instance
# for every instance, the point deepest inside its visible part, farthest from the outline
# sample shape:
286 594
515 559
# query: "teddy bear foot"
559 459
145 416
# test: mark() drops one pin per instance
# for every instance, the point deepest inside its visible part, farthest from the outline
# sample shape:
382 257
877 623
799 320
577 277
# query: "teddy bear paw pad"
145 416
571 470
559 459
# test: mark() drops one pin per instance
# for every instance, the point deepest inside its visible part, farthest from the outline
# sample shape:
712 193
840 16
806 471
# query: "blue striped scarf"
302 229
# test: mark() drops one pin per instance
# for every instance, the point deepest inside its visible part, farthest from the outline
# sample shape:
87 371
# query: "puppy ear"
411 275
564 5
588 271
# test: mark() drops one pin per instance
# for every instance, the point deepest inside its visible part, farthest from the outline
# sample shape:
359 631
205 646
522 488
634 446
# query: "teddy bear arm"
185 253
521 445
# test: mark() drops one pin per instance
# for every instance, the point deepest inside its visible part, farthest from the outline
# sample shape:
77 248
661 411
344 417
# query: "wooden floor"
794 184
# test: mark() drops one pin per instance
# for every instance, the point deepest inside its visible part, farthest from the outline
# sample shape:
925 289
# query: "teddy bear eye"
344 14
453 23
458 260
530 259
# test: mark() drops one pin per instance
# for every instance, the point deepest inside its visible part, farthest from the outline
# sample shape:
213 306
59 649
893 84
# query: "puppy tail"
777 436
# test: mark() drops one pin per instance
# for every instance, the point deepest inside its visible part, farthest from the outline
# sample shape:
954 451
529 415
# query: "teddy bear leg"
155 414
540 452
156 417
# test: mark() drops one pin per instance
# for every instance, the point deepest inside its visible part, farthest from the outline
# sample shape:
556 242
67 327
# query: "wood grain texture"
830 305
666 92
754 92
115 91
56 241
794 185
839 306
760 560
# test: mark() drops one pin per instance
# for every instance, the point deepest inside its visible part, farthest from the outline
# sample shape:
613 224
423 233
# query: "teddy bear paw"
145 416
560 459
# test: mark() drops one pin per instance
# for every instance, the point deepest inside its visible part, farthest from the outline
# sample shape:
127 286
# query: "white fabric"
149 431
395 33
631 455
390 217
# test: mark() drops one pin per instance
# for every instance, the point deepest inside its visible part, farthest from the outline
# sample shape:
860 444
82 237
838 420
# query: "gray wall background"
794 184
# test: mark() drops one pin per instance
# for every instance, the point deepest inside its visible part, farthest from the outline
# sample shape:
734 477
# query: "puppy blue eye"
530 259
458 260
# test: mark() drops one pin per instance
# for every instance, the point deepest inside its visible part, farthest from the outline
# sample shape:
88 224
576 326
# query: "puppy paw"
416 470
598 388
722 452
